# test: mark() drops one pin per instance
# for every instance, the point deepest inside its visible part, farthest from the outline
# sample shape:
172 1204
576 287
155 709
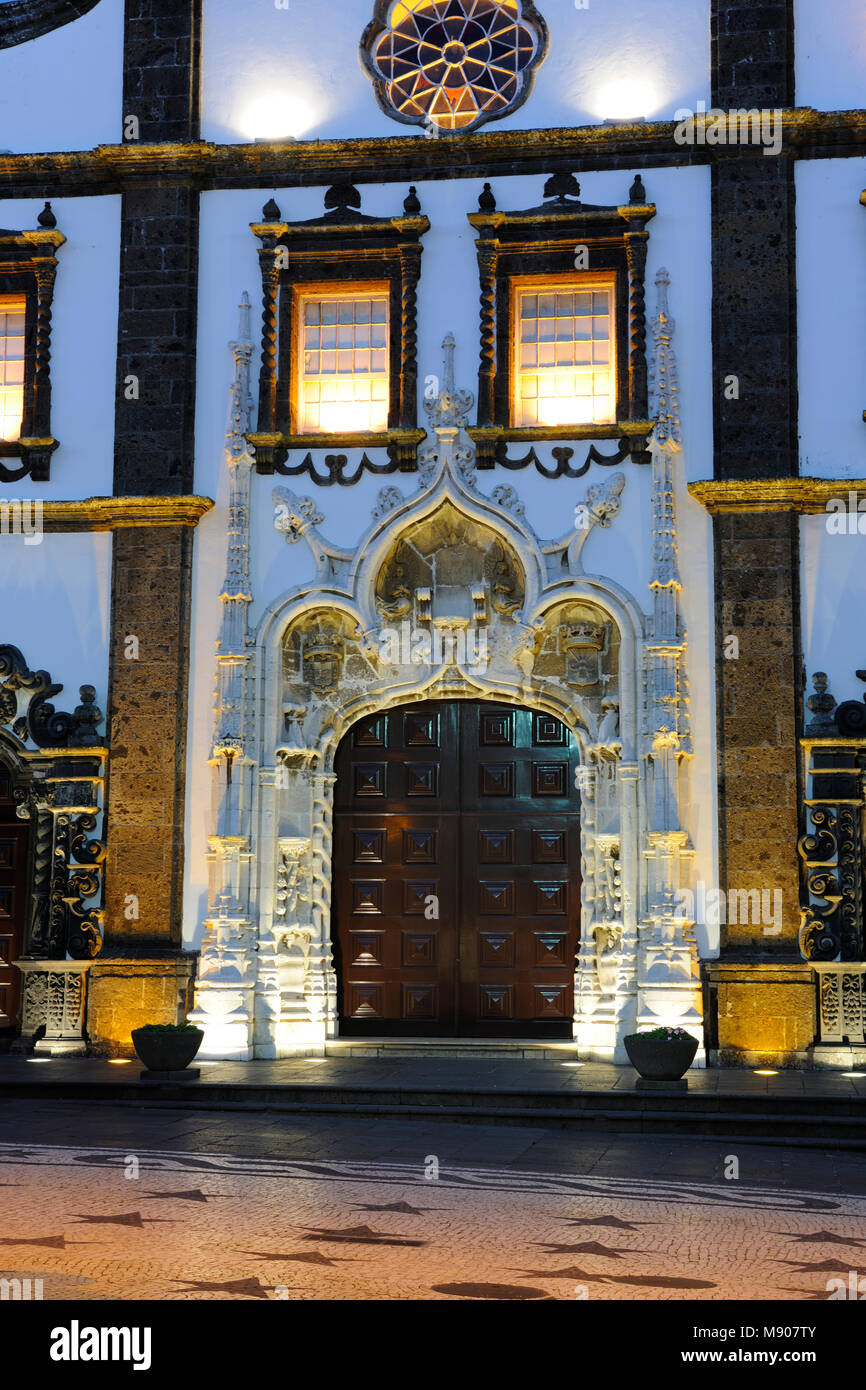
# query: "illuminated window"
564 352
12 312
343 360
452 64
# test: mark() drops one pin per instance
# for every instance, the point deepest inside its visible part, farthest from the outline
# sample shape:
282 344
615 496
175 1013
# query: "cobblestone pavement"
109 1203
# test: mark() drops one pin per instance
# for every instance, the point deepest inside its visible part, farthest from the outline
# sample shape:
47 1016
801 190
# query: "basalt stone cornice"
804 495
806 134
120 513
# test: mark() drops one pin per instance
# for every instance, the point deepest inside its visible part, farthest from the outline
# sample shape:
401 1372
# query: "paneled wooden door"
14 836
456 886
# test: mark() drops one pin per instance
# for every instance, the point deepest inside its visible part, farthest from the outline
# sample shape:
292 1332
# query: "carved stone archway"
447 561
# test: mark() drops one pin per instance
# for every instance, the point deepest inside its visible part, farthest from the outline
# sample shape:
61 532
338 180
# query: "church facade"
424 450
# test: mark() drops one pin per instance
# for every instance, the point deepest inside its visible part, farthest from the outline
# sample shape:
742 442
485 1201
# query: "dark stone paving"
371 1140
446 1074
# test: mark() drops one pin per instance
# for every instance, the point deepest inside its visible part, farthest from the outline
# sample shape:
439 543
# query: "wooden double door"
456 885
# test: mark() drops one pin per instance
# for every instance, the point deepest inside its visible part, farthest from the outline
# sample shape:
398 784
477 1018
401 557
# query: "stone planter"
165 1053
659 1060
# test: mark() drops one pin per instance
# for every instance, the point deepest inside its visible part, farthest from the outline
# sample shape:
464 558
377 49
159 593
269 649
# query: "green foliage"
167 1028
663 1035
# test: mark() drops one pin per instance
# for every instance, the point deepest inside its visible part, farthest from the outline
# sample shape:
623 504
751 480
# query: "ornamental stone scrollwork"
387 498
40 723
76 878
57 787
291 879
833 852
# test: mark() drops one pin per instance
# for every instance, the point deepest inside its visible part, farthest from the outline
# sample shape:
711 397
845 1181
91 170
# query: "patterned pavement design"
218 1226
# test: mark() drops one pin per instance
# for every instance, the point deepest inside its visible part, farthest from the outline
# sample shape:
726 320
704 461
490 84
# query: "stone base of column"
130 988
762 1013
53 1005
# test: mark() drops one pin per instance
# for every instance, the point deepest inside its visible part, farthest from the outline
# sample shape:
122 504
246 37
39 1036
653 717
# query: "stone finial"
822 704
411 203
46 217
244 318
637 192
562 186
342 195
270 211
450 407
86 717
486 200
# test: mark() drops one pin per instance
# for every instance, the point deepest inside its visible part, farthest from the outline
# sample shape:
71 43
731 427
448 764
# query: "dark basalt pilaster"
759 694
154 443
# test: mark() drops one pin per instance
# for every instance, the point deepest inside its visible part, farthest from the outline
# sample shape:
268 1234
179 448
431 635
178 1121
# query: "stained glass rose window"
453 64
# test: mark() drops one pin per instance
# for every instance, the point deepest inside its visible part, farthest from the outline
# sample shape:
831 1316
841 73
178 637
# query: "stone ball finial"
46 217
822 704
270 211
637 192
411 203
486 200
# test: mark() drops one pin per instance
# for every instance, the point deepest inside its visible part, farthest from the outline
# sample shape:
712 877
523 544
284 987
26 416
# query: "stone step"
541 1050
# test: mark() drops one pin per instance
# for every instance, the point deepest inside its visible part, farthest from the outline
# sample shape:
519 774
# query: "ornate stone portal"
449 593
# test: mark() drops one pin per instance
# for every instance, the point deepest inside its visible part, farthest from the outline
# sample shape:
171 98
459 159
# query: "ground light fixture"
765 1071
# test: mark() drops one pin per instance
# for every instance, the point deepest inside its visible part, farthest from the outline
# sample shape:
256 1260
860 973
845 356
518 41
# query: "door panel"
456 898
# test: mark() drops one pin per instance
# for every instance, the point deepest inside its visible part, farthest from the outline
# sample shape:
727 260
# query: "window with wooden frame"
13 311
341 351
563 324
28 265
563 350
339 333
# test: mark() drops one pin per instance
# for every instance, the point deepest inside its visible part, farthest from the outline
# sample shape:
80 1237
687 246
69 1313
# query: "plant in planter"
167 1047
661 1054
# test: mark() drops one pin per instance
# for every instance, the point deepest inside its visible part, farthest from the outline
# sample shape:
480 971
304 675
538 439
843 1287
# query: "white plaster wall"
831 323
830 54
83 344
614 59
833 588
448 300
63 91
56 609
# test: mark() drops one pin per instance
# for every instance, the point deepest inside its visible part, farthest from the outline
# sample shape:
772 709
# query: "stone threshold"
544 1049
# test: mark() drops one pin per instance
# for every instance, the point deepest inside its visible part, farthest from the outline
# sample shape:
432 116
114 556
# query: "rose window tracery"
453 64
